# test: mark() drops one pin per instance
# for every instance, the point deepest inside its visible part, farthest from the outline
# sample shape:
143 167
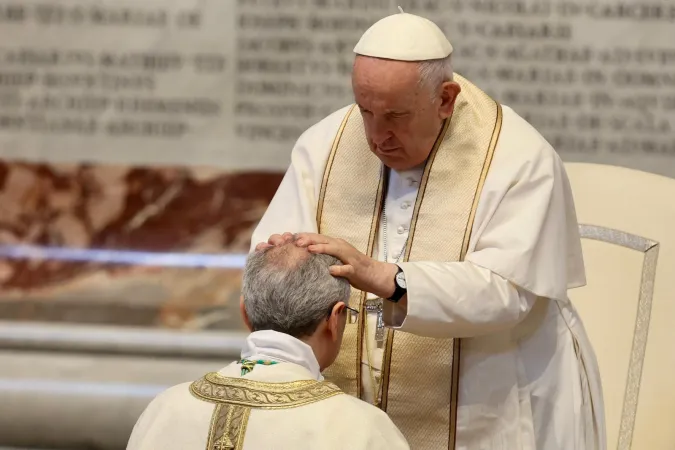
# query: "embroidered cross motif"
228 427
376 306
227 445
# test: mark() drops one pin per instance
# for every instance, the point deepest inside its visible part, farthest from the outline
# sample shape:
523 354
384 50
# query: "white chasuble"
285 405
487 353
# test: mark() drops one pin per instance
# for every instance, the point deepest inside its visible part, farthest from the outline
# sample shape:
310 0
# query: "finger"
345 271
261 246
276 239
329 249
319 248
287 237
305 239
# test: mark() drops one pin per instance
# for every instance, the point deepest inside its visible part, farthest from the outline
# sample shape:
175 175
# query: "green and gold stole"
350 205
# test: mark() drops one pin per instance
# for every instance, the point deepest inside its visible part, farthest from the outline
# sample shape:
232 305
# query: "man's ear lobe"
449 93
334 321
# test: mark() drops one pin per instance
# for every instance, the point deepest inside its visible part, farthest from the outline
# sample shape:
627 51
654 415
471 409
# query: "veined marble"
145 209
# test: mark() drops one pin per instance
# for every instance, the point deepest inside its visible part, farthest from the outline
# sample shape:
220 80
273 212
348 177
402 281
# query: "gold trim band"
215 388
228 427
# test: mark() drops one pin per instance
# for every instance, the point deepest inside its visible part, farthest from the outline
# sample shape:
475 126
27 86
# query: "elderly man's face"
402 117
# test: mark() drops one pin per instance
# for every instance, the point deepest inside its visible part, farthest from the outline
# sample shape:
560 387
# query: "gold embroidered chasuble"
419 374
235 397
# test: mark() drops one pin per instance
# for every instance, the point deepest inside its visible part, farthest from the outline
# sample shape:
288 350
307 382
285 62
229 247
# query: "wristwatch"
401 286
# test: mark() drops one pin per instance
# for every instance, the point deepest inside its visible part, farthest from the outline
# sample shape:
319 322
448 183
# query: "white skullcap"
404 37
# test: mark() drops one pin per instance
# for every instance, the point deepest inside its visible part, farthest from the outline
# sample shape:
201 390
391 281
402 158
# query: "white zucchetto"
404 37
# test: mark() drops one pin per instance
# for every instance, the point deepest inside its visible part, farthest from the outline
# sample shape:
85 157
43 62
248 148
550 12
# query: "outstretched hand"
362 271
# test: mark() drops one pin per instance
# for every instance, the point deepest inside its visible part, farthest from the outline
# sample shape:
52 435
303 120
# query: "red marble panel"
143 209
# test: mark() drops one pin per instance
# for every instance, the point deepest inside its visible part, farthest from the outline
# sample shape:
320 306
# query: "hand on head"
289 289
362 271
274 240
316 243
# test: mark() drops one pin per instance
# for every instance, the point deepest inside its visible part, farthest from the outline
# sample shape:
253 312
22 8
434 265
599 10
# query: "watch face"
400 280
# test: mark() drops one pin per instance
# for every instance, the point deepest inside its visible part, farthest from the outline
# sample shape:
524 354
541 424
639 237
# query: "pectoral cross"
376 306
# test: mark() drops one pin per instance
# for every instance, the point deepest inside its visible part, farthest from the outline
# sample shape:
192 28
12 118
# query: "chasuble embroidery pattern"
228 427
236 397
255 394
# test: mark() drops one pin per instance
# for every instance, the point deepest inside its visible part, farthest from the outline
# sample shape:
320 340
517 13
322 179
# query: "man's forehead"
389 102
397 78
286 254
365 65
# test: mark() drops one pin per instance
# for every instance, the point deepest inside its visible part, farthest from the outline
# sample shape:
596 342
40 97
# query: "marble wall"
56 221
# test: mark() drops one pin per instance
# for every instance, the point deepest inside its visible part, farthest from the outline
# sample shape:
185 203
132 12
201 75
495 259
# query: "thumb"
345 271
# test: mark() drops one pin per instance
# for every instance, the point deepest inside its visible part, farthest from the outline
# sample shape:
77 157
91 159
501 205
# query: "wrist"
386 284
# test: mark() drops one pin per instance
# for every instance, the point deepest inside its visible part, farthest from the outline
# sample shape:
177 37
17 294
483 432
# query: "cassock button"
405 205
401 230
412 181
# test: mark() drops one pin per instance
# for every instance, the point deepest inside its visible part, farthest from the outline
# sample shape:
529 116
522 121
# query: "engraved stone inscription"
124 82
595 78
234 83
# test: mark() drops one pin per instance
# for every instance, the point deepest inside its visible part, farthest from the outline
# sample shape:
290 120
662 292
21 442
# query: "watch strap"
400 291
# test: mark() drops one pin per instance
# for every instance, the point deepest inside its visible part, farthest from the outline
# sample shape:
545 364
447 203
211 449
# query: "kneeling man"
275 396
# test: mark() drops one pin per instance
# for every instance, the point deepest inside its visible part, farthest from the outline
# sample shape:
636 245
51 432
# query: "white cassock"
179 420
528 375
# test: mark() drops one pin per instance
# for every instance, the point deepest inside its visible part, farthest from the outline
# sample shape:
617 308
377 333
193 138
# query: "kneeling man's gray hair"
290 290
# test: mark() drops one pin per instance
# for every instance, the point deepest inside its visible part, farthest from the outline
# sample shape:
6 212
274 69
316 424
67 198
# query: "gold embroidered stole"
420 375
235 397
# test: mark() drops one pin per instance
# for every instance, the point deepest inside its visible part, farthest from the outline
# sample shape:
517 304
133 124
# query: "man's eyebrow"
391 112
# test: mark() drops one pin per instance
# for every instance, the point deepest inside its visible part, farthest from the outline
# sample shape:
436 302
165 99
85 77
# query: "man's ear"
449 92
334 321
244 314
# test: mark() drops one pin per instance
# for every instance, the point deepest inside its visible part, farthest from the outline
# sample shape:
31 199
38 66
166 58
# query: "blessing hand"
362 271
275 239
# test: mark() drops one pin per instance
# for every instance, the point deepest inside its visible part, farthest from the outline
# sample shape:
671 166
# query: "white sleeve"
293 207
525 245
456 300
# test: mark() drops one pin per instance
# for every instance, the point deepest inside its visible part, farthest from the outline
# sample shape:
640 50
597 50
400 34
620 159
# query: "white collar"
281 347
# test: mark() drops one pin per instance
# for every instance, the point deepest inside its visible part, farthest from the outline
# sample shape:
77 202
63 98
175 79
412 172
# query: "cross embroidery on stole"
376 306
228 427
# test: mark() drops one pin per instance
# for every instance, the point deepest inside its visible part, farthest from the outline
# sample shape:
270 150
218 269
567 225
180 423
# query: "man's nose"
380 132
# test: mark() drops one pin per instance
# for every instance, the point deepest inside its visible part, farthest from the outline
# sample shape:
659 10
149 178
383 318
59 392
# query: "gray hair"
290 290
435 72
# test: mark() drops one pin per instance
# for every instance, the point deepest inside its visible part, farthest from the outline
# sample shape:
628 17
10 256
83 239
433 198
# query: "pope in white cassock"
456 225
274 397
